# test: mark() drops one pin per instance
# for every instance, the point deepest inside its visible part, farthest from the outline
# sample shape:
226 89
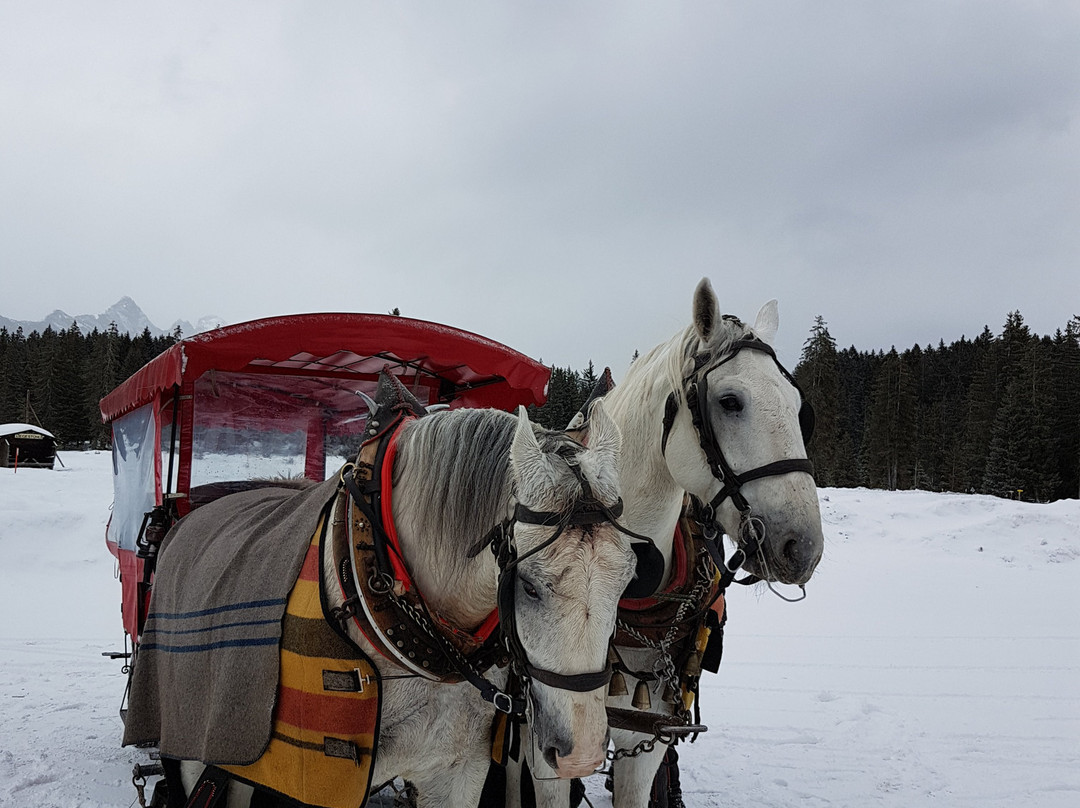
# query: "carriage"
262 403
254 406
258 402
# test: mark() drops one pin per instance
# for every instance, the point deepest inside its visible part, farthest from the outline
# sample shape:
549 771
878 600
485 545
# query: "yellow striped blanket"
326 719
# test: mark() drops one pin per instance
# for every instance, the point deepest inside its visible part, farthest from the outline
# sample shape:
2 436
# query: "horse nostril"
791 550
549 758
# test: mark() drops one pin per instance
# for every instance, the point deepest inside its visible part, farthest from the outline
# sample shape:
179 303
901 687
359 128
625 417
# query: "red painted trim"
344 344
131 572
401 572
386 481
187 424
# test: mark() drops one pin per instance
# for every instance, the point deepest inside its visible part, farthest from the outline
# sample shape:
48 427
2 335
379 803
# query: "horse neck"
652 499
449 489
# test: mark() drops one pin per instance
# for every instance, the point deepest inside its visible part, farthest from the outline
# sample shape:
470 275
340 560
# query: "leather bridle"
751 528
586 510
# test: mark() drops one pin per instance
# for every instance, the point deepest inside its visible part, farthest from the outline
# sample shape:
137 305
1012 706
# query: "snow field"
935 661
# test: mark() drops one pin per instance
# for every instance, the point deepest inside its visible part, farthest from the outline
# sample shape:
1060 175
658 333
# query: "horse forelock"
598 553
563 488
673 362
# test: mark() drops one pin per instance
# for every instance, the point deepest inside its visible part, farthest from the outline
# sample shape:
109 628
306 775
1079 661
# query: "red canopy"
472 370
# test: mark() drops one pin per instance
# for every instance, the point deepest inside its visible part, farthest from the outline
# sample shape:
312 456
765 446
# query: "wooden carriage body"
276 398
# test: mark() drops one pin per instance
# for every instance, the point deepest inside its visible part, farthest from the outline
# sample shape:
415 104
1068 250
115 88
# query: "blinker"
648 571
806 421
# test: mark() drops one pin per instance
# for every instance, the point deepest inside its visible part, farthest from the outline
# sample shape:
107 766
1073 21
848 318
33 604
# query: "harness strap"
577 682
588 511
365 493
732 482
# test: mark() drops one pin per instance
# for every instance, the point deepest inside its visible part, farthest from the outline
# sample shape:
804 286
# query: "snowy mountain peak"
125 313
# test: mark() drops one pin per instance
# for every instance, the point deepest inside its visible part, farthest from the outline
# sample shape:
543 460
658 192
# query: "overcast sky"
556 176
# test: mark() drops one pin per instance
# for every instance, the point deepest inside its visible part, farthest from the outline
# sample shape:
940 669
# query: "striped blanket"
206 677
321 752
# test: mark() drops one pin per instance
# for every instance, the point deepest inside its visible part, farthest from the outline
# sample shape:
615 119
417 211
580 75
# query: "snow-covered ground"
936 660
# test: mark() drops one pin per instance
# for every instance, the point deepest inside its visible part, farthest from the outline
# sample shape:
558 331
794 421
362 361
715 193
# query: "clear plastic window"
268 426
134 474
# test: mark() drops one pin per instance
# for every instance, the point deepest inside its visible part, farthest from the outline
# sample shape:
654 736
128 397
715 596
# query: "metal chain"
640 748
666 663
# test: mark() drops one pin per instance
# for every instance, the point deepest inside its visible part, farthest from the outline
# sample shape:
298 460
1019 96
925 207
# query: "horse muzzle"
788 559
575 764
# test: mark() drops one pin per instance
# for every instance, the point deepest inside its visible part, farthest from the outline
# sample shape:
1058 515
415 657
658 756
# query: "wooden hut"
26 445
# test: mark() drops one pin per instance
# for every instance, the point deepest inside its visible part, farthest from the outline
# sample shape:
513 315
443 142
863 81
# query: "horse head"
559 605
735 435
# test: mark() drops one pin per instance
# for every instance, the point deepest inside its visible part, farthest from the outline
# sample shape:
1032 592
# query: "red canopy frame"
297 374
479 371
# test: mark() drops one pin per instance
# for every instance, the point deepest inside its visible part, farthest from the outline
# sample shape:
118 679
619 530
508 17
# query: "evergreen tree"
817 374
15 379
102 375
564 399
1021 436
141 350
888 453
68 411
41 351
1065 362
1045 477
588 379
983 399
855 371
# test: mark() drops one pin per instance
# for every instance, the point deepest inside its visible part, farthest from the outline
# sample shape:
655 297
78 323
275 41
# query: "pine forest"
997 414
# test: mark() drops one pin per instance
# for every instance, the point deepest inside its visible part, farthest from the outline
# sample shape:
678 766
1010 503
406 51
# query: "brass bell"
617 686
642 700
670 696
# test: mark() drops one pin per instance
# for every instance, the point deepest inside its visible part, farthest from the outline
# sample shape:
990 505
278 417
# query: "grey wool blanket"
205 675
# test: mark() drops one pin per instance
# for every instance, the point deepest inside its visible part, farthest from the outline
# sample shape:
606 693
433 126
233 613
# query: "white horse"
711 413
456 475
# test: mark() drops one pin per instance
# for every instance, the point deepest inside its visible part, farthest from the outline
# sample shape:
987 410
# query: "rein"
751 527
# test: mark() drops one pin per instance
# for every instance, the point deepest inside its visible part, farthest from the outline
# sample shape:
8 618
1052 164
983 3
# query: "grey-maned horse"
457 474
752 410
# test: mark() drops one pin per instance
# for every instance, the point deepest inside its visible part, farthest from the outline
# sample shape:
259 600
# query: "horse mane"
674 360
457 464
458 468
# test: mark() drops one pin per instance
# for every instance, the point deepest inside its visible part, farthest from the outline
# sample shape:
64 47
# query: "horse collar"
380 596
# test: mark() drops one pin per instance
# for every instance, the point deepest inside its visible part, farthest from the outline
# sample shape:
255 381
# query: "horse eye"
530 590
730 403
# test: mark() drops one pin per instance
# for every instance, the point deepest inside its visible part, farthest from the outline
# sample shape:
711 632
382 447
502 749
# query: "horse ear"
768 321
706 311
531 468
603 436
